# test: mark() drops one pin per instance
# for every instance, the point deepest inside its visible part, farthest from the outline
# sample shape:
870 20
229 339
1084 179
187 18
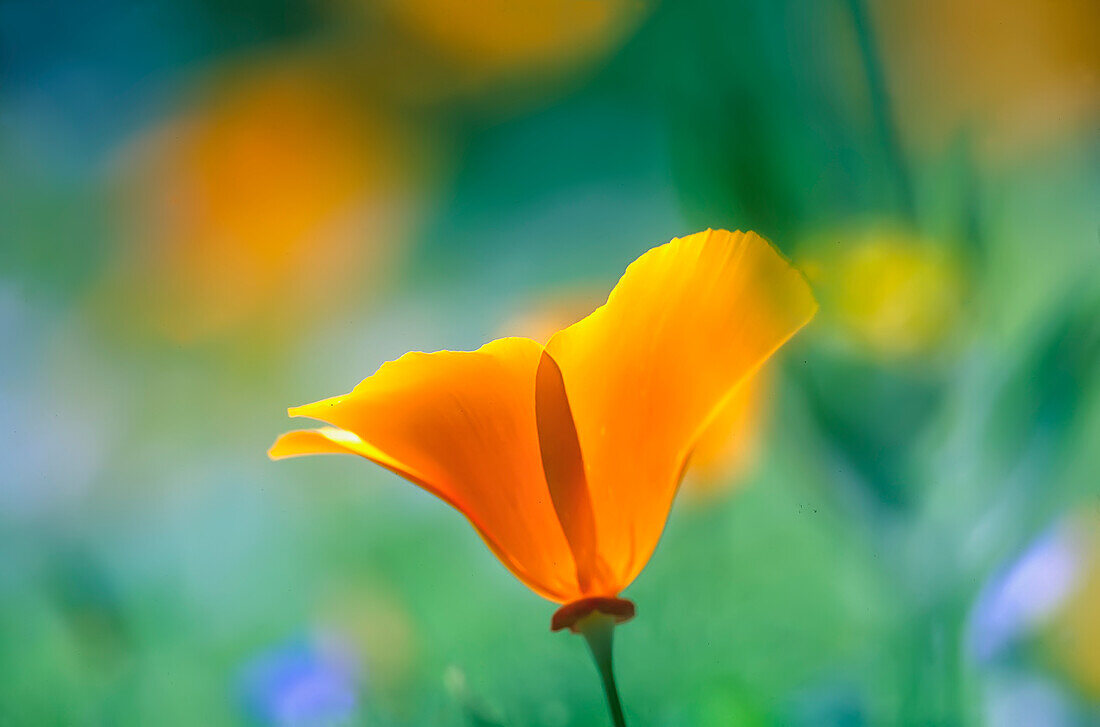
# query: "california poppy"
566 457
725 453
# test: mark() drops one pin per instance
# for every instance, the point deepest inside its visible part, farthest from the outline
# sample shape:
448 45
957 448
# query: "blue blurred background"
211 210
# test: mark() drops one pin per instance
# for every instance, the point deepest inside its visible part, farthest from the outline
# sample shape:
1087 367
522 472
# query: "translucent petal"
647 372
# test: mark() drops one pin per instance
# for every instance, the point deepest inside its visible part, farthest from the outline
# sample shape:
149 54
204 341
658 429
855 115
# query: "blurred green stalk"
881 108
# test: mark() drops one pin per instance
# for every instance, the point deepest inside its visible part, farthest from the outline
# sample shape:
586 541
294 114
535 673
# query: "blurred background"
213 209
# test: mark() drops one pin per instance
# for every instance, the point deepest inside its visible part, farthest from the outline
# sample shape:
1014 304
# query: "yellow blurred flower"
273 193
377 627
1072 637
1015 73
886 290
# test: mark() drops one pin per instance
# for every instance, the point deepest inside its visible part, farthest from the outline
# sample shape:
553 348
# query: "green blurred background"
211 210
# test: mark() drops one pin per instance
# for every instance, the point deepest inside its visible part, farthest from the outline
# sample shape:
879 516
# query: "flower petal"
326 440
649 370
726 452
462 426
565 479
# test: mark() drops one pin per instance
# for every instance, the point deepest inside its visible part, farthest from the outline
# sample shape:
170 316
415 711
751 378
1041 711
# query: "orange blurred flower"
728 449
1015 73
493 36
273 193
548 314
566 458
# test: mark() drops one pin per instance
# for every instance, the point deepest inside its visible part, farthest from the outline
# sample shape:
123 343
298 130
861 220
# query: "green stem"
880 106
598 632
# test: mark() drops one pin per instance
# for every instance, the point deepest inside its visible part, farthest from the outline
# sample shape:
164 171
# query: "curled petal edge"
333 440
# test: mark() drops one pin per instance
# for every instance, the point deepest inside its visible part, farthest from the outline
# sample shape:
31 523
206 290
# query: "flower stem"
881 106
597 631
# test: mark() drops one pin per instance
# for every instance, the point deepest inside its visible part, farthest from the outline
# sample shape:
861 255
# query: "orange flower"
566 458
724 454
275 185
1018 74
495 35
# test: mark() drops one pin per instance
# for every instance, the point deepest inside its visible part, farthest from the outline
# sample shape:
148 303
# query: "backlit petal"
325 440
462 426
726 451
565 478
647 372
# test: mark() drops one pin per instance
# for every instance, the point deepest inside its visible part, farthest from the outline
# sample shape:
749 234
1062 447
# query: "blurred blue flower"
304 682
1024 594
